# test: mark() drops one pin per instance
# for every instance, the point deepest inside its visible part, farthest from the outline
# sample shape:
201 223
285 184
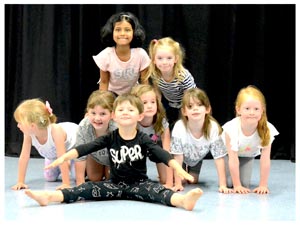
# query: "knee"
51 175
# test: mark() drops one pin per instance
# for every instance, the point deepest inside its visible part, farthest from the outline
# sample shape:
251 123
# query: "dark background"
49 48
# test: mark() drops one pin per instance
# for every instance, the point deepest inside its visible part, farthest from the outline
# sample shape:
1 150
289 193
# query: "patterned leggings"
145 190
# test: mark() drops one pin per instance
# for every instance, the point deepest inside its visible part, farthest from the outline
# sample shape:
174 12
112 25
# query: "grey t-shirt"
86 134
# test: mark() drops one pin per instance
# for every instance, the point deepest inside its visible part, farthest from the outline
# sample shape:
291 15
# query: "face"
165 59
251 110
150 104
126 114
99 117
123 33
195 110
26 129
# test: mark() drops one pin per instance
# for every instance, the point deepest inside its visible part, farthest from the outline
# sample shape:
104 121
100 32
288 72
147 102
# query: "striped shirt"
173 91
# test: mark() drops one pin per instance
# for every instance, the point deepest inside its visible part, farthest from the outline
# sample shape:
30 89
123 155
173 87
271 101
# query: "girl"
96 123
128 150
156 126
195 135
247 136
123 62
38 124
168 74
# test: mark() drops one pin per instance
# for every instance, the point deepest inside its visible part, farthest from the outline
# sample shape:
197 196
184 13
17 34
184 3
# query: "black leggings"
146 190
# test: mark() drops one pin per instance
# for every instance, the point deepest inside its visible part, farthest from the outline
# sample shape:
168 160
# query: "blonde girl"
97 122
156 126
195 135
169 76
123 62
246 136
40 130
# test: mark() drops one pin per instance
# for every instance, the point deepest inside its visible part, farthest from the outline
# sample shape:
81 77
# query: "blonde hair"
34 111
105 99
177 50
141 89
262 127
200 95
132 99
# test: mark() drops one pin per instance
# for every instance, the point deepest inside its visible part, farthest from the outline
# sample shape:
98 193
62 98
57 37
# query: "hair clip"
124 17
48 107
155 41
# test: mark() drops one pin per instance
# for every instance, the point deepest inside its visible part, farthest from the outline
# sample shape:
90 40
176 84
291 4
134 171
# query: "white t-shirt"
123 75
48 150
246 146
195 149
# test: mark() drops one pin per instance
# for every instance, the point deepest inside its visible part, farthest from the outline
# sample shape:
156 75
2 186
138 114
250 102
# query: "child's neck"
100 132
147 122
123 52
248 129
41 135
168 76
128 133
196 128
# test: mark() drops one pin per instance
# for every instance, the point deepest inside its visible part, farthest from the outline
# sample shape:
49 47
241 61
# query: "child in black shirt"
128 149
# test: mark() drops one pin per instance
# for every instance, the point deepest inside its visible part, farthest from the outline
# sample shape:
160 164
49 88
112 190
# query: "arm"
80 167
180 171
265 164
144 77
234 168
59 137
23 163
72 154
178 180
166 142
104 80
80 164
220 165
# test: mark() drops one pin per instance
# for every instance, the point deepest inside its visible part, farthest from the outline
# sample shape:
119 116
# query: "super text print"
132 153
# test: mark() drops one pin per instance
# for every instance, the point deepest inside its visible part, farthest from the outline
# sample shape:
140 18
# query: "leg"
80 171
195 171
95 171
186 201
228 176
51 175
96 191
45 197
246 165
165 174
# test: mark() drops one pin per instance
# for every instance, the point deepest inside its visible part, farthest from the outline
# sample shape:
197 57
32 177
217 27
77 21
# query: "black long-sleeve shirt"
127 157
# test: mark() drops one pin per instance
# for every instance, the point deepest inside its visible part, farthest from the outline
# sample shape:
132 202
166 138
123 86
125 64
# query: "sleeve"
273 132
156 153
79 141
145 59
188 81
99 143
217 146
102 60
231 129
177 138
165 123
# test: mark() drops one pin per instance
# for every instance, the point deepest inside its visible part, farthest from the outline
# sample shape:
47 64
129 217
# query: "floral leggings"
145 190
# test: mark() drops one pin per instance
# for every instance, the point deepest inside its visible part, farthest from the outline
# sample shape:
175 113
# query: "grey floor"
278 206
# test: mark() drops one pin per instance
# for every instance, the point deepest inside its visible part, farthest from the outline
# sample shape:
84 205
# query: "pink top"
123 75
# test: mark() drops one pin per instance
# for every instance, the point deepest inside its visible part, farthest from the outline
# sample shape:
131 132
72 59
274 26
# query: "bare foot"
40 196
191 197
